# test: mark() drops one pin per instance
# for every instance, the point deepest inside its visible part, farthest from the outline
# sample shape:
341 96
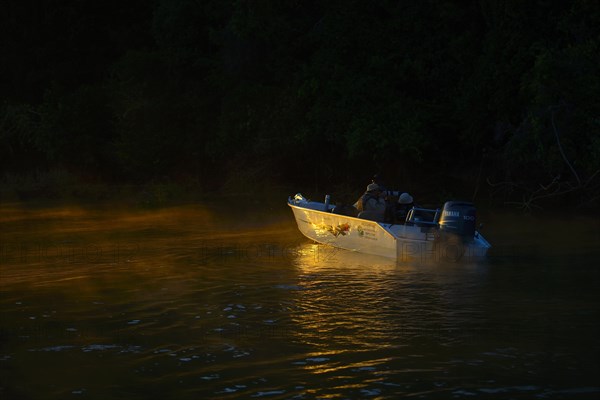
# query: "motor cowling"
458 218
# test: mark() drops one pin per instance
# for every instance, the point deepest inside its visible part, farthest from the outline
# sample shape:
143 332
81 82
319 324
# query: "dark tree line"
503 92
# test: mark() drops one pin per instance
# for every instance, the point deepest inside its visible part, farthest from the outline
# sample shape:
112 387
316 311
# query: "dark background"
493 99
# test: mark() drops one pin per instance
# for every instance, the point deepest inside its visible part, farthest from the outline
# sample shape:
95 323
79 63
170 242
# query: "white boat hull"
401 242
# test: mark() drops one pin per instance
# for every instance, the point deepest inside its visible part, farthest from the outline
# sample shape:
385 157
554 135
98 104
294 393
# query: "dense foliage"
502 93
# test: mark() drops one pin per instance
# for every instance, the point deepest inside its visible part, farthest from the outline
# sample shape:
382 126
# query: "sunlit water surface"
196 302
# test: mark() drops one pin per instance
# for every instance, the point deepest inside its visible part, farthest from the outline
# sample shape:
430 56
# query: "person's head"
405 198
373 188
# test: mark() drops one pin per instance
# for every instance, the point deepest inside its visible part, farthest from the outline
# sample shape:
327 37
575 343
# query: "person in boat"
371 204
389 198
405 203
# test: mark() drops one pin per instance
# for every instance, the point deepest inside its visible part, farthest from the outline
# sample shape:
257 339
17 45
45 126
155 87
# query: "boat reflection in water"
379 319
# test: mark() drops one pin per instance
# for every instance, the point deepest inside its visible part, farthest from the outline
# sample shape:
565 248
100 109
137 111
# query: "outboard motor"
458 218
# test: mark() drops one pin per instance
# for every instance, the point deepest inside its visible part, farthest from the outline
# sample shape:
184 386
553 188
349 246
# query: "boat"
446 234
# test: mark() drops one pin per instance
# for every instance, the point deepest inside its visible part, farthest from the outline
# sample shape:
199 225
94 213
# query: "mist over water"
211 301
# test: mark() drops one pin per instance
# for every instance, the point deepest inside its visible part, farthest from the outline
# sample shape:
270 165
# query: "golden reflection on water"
343 298
377 307
86 237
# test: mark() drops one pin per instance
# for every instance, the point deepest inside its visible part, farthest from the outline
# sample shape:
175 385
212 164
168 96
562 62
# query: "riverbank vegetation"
494 100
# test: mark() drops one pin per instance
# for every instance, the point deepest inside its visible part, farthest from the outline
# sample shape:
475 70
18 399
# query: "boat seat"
371 215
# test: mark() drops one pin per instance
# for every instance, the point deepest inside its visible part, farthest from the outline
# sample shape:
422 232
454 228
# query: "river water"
200 301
